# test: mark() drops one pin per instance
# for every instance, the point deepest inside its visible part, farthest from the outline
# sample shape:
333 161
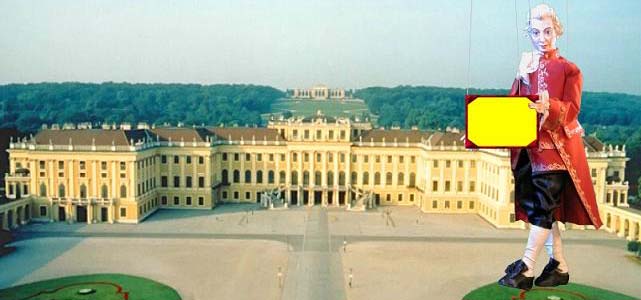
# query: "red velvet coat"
563 81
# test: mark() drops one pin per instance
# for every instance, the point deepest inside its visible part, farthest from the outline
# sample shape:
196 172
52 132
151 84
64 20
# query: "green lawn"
334 108
106 286
571 291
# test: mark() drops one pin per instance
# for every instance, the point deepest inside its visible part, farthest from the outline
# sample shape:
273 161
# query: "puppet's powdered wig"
542 11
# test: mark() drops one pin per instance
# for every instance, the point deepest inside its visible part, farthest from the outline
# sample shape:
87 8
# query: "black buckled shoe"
552 276
514 276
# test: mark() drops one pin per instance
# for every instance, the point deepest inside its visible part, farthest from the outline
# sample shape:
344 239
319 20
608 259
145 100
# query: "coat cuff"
557 113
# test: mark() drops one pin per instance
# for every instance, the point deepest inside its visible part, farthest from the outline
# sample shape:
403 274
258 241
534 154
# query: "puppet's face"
542 34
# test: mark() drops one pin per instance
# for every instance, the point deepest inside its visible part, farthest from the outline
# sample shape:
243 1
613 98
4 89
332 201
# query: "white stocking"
535 242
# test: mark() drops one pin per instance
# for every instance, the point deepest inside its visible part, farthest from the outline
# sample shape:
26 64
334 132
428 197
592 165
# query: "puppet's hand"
529 63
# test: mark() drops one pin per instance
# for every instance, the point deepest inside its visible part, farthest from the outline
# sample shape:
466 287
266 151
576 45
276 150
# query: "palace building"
318 92
123 174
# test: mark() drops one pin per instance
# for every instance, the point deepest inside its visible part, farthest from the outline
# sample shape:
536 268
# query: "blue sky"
285 44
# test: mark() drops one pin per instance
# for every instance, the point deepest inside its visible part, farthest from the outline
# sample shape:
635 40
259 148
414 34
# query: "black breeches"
539 194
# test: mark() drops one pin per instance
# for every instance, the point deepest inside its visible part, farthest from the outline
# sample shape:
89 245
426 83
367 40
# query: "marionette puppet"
552 182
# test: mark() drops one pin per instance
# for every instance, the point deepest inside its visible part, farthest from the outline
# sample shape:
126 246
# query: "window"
377 158
389 159
248 195
163 200
163 159
435 164
294 177
42 165
188 200
331 134
388 178
365 178
330 178
434 185
459 204
472 186
176 181
201 160
306 178
188 180
236 195
259 176
282 157
176 159
459 186
123 211
188 159
176 200
388 197
271 157
354 177
43 190
224 195
447 204
236 176
447 185
163 181
330 157
306 134
43 211
295 133
512 218
236 157
318 157
61 190
317 178
412 180
61 165
377 178
401 159
306 156
472 164
248 157
123 191
447 163
342 134
248 176
123 166
460 163
281 177
401 179
103 165
104 191
83 191
400 197
366 158
434 204
201 181
593 172
201 201
224 156
354 157
411 197
342 156
318 134
225 176
471 205
270 177
295 157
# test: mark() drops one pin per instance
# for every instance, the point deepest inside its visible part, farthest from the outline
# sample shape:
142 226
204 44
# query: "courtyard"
241 252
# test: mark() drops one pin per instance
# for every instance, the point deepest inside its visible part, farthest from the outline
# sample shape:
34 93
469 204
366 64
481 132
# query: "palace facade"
123 174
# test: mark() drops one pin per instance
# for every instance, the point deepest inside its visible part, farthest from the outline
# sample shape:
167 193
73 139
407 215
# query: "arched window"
225 176
43 190
306 178
248 176
330 178
365 178
281 177
354 178
123 191
377 178
294 177
236 176
401 178
61 190
388 178
341 178
412 179
259 176
104 191
270 177
317 178
83 191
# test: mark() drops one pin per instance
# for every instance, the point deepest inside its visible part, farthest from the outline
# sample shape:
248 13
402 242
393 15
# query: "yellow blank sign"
500 122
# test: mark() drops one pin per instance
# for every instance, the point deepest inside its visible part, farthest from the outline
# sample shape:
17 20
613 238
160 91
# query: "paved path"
316 271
